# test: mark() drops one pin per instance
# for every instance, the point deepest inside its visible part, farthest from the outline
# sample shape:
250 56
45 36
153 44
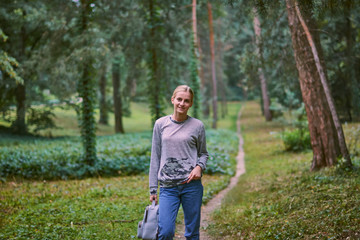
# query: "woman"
178 158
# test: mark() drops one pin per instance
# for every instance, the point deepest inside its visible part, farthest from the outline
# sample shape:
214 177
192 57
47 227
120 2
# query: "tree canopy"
67 52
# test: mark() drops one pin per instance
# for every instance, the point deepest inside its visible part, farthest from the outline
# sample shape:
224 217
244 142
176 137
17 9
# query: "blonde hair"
183 88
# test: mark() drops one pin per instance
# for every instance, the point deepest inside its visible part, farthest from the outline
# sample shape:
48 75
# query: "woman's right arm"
155 161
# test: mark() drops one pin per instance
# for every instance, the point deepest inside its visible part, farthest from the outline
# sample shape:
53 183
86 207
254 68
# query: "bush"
36 158
353 137
296 140
41 119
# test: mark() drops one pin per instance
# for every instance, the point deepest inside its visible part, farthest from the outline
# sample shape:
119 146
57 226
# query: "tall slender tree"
117 95
198 51
154 83
194 64
350 62
325 139
325 85
263 82
87 90
104 118
220 49
213 68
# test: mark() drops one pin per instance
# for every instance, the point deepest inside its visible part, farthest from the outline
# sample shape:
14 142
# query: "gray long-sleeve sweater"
177 147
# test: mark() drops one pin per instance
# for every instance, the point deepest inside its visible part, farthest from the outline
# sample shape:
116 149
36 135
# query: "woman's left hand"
195 174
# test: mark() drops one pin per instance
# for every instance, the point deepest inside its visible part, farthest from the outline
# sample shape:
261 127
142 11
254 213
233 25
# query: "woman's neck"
179 117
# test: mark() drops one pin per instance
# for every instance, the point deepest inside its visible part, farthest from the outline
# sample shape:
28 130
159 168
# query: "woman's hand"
195 174
153 198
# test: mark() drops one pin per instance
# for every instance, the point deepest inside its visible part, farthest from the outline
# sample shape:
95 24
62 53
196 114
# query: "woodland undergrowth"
279 198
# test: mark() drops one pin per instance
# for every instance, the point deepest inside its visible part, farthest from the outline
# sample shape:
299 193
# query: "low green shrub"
296 140
222 147
41 118
38 158
353 139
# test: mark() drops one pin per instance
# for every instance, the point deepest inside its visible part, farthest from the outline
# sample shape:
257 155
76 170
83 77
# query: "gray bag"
148 227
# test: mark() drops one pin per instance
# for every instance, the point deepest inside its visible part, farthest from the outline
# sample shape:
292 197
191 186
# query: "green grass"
229 122
93 208
279 198
98 208
66 120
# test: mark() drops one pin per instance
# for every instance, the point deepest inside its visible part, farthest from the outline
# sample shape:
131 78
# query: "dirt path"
215 202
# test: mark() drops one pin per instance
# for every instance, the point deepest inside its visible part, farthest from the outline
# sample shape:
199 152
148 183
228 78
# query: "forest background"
82 68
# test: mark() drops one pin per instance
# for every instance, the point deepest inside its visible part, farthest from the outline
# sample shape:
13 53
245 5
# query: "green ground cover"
278 198
127 154
93 208
60 158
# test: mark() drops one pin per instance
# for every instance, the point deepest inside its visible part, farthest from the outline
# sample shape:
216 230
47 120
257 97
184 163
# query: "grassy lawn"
92 208
278 198
66 120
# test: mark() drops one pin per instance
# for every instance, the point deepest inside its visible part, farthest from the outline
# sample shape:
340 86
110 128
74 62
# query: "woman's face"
182 102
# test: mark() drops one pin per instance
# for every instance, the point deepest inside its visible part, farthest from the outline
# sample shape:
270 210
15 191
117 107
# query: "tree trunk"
194 65
88 128
19 125
154 83
204 102
117 96
104 119
194 27
88 93
323 77
324 137
213 71
350 68
263 83
201 70
222 84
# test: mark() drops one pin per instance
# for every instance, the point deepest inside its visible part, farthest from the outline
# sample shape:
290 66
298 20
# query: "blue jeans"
190 196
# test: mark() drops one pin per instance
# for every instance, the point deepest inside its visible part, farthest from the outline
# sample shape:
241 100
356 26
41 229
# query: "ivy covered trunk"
88 123
87 92
324 138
